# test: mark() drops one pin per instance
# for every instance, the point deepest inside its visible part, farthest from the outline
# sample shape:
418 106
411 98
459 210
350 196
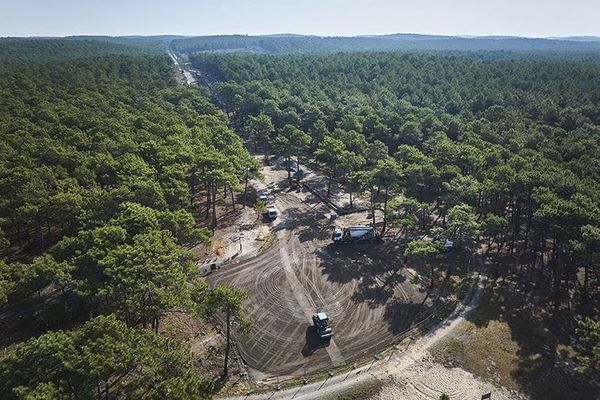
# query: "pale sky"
531 18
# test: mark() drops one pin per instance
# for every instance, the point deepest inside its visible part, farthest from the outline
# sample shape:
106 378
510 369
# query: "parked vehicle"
354 234
272 212
448 245
445 244
289 164
264 197
300 174
209 267
321 323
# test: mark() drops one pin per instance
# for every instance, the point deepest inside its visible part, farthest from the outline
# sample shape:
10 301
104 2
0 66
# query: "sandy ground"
370 301
337 195
240 235
254 231
428 380
408 372
247 229
302 272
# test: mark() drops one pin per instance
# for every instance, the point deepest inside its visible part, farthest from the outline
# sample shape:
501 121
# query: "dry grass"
492 353
488 352
506 344
218 247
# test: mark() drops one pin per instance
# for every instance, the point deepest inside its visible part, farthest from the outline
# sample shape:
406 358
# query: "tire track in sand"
303 300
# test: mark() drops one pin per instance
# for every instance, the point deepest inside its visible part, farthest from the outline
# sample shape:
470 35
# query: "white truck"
272 212
354 234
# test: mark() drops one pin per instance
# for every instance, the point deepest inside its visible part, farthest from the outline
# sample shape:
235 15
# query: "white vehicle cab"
321 323
264 197
272 212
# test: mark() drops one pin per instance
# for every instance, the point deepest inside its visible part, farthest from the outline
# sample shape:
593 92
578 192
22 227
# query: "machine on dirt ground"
272 212
354 234
321 323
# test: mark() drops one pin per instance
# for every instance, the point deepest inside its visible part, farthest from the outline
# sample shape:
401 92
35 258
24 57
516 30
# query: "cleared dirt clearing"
368 298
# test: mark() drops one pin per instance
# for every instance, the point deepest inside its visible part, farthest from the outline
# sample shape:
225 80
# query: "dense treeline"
481 47
150 44
104 359
101 162
499 154
19 50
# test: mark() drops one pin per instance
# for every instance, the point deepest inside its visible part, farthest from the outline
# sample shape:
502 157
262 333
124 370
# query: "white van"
272 212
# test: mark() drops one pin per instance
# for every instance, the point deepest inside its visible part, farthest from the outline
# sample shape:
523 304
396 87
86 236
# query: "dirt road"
369 306
188 76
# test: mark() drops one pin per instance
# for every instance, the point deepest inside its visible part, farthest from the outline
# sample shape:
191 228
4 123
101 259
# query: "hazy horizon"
593 37
535 19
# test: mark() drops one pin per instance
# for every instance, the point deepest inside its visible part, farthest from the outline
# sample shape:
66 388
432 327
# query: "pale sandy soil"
428 380
408 373
248 228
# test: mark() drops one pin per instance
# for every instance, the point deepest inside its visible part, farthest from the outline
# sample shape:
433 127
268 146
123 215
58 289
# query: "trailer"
354 234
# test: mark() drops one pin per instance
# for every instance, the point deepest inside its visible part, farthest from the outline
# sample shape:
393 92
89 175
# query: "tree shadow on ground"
375 269
32 317
401 315
544 370
305 226
370 292
218 383
376 290
344 263
381 282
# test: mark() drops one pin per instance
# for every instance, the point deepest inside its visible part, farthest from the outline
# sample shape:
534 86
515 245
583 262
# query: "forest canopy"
478 47
19 50
101 158
110 172
506 150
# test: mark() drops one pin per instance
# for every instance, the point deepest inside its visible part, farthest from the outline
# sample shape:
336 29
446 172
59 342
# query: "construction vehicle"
272 212
321 323
354 234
